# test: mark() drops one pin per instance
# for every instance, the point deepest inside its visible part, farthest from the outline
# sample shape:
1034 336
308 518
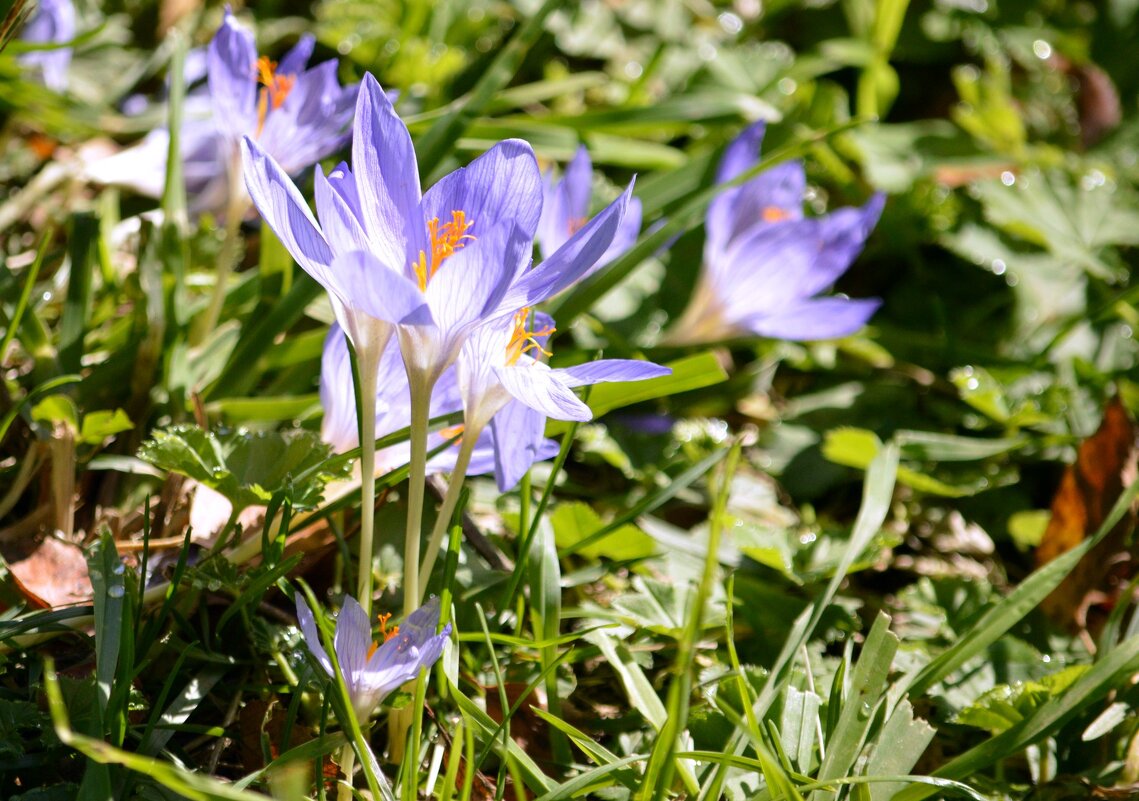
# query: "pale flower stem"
400 720
450 499
227 259
417 477
347 765
368 363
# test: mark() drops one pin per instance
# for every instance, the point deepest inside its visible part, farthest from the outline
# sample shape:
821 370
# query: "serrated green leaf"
247 468
1008 704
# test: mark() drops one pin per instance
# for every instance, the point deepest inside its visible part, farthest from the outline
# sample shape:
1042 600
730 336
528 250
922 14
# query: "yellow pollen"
774 214
274 89
522 340
445 240
453 431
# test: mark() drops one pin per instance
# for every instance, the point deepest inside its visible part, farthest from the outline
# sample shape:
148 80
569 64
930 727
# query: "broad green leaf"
97 426
263 409
575 521
926 445
856 447
688 373
1027 528
57 409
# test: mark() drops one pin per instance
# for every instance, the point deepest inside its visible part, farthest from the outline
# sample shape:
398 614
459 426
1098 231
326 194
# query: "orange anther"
274 89
522 340
445 239
774 214
384 630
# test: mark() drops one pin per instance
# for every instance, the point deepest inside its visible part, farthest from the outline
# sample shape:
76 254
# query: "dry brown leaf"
1105 464
54 575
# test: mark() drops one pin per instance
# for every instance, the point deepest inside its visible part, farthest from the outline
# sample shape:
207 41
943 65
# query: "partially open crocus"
340 427
53 22
765 264
205 167
565 209
506 385
298 114
373 669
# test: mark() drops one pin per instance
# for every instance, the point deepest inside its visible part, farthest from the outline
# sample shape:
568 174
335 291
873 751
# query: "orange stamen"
274 89
384 630
522 340
453 431
774 214
445 240
576 224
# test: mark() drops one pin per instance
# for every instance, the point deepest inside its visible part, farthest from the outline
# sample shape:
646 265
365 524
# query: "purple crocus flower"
297 114
371 670
393 409
435 264
765 264
53 22
506 387
205 168
565 209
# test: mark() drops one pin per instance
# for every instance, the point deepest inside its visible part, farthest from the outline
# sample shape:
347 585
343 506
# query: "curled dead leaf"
1105 464
53 575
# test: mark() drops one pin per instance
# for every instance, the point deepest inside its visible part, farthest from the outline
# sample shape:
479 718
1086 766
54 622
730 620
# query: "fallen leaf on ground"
54 575
1105 464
